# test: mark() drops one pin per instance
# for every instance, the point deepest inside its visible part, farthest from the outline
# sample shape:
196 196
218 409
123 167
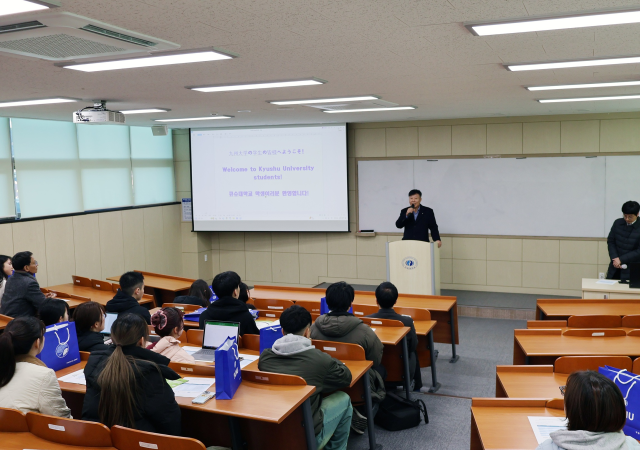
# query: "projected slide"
270 179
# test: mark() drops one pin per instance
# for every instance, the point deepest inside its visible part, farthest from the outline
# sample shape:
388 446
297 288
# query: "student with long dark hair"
596 413
6 269
126 383
54 310
89 319
199 294
26 383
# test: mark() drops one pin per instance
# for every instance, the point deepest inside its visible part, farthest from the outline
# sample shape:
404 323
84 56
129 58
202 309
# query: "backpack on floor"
397 413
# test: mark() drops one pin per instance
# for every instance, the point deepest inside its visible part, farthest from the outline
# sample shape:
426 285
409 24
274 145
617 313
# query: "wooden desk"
529 382
25 440
4 320
95 295
544 349
592 289
501 423
443 309
561 309
165 288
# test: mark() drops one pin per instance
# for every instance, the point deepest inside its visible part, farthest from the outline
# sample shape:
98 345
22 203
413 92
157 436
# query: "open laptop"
108 322
215 333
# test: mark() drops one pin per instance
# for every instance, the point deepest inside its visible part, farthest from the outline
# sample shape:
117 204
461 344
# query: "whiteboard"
542 196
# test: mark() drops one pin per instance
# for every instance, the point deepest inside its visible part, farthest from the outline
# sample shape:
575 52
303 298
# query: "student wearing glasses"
22 296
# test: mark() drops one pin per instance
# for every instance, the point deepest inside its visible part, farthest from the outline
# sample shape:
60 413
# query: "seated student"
596 413
22 294
199 294
6 270
26 383
133 381
245 296
293 354
127 298
169 325
228 308
89 319
386 297
54 310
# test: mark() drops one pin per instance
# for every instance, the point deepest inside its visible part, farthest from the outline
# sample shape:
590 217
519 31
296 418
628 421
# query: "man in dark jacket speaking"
417 220
624 242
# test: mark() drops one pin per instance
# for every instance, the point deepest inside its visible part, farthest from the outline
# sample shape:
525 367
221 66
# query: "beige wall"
502 264
99 245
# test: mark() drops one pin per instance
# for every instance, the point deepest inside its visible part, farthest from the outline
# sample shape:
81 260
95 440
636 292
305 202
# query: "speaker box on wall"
160 130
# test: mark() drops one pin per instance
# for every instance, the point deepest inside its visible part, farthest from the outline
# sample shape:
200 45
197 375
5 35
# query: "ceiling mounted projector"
98 114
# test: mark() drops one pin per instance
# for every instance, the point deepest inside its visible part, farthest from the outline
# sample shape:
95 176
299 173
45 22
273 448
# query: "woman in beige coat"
169 325
26 383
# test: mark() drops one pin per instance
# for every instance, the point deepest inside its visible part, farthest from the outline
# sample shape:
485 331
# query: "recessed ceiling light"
44 101
583 86
144 111
266 85
20 6
564 22
589 99
163 59
244 111
395 108
188 119
325 100
576 63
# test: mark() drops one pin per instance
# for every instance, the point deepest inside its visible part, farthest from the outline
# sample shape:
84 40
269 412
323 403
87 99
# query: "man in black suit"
623 242
417 220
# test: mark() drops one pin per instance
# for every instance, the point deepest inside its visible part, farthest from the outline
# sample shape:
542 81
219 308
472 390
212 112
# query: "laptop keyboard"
204 355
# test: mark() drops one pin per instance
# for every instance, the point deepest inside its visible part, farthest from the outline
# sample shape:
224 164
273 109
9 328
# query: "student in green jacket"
293 354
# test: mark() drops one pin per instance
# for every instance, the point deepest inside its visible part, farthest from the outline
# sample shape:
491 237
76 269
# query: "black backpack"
397 413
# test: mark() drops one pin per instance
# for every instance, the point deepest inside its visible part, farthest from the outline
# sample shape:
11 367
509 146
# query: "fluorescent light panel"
20 6
572 64
556 23
395 108
150 61
194 118
589 99
144 111
44 101
583 86
267 85
325 100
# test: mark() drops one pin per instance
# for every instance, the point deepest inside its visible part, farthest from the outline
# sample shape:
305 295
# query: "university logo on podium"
409 263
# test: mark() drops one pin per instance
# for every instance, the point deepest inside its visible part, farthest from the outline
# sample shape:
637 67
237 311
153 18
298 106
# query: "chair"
311 306
182 306
128 439
546 324
13 421
381 322
636 366
81 281
538 332
595 332
69 431
269 314
414 313
340 350
635 332
364 310
594 321
101 285
195 336
632 321
272 304
194 369
570 364
115 287
556 403
258 376
251 342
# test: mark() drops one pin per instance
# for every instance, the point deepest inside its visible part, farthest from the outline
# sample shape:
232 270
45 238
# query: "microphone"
624 266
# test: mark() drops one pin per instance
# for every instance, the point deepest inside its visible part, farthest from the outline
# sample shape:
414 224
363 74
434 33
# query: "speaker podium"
414 267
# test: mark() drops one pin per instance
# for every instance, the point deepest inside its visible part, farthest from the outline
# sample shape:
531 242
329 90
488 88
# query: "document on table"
245 359
193 387
266 323
76 377
610 282
544 425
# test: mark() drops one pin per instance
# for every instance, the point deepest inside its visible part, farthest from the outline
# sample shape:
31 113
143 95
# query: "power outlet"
600 275
206 256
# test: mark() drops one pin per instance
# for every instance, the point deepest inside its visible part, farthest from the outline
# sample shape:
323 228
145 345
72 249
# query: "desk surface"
4 320
95 295
503 426
530 381
591 284
21 441
558 345
163 282
569 307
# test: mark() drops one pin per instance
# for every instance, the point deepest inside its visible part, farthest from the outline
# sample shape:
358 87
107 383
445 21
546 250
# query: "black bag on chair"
397 413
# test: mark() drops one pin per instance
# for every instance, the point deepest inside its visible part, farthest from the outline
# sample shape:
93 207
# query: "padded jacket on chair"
623 243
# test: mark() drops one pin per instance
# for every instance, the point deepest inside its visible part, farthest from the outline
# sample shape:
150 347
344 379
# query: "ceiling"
409 52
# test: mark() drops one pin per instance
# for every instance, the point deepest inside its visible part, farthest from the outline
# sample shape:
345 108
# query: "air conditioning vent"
21 26
58 46
119 36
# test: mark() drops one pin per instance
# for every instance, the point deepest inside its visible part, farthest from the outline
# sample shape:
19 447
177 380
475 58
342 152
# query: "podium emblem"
409 263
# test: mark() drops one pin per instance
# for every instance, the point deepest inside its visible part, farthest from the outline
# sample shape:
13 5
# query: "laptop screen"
215 333
108 321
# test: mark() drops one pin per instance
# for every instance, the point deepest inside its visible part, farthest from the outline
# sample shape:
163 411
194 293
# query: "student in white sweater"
26 383
596 413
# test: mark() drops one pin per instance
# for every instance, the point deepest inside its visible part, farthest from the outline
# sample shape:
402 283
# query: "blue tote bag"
629 384
194 316
228 375
60 346
269 335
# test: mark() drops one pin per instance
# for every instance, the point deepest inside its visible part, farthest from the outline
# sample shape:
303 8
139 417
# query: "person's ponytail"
118 378
17 339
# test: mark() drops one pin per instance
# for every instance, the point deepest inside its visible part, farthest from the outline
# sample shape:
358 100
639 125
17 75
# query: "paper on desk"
193 387
266 323
76 377
606 282
247 359
191 350
543 425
